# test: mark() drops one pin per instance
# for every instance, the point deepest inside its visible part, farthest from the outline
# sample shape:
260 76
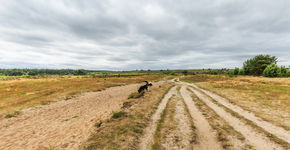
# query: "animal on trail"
144 87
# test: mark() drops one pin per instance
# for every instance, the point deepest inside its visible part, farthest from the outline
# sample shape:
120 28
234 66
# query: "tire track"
206 136
278 131
147 139
258 140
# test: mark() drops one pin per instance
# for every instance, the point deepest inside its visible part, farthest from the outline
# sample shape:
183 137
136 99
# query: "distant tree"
80 72
256 65
184 72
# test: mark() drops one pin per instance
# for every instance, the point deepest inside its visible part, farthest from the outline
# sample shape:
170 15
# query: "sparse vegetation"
14 114
23 93
136 95
267 98
123 133
225 133
118 114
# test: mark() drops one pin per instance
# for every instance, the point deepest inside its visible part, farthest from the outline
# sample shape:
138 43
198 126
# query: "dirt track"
207 135
182 125
63 124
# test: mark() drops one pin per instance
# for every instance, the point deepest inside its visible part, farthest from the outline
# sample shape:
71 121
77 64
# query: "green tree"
256 65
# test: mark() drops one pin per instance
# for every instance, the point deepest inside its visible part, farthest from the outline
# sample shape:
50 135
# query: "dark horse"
143 87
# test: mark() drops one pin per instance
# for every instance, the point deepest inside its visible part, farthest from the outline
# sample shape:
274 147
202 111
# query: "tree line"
33 72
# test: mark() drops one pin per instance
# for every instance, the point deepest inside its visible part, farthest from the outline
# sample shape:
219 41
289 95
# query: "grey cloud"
128 35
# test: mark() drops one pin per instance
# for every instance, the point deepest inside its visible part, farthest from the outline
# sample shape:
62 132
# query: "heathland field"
204 112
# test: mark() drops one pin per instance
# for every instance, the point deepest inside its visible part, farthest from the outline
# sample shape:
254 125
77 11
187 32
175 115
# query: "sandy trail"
176 132
278 131
63 124
147 139
256 139
206 136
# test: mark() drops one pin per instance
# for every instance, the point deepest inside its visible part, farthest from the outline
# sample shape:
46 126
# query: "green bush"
288 73
241 72
272 71
236 71
283 71
214 72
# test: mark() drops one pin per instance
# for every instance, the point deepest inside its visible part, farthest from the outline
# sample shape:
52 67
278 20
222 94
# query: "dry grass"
166 124
23 93
268 98
252 124
123 132
226 134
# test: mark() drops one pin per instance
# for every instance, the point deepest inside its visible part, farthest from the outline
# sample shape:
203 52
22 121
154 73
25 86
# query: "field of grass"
268 98
19 93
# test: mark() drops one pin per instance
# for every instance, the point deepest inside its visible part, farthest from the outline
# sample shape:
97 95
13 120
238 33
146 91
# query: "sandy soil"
278 131
147 139
256 139
63 124
176 130
206 137
67 124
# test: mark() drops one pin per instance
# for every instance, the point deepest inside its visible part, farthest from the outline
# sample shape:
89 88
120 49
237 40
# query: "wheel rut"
258 140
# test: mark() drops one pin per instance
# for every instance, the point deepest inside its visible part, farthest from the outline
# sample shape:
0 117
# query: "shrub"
236 71
272 71
283 72
241 72
93 75
288 73
214 72
256 65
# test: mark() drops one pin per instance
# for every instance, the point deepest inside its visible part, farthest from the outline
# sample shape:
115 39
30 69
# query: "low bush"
241 72
272 71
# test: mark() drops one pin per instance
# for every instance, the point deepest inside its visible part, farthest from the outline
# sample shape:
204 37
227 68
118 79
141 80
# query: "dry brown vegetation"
268 98
123 132
226 134
23 93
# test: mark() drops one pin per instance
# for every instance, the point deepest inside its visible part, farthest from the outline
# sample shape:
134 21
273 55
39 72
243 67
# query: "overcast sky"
142 34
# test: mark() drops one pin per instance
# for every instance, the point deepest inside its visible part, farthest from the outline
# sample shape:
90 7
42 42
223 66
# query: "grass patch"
125 132
118 114
157 135
136 95
14 114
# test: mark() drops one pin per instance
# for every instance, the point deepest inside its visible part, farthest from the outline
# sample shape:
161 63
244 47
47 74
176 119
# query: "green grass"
118 114
14 114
